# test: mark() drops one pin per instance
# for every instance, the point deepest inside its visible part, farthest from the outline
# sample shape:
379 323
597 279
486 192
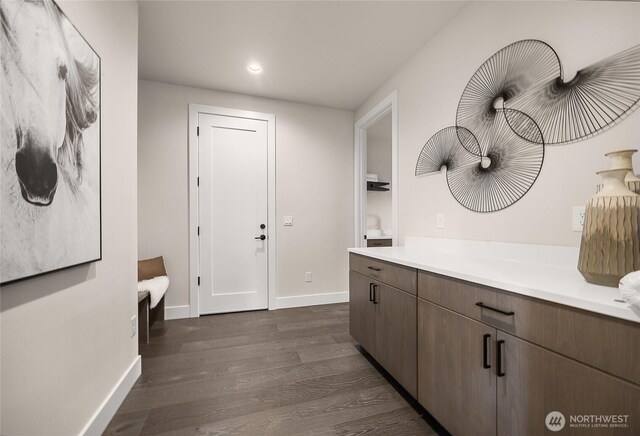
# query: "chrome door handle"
261 237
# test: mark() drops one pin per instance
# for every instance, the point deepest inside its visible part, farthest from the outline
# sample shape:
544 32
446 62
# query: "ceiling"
333 54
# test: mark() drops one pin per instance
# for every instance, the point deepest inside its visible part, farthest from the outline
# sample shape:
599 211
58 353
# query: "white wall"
314 178
429 88
379 162
65 336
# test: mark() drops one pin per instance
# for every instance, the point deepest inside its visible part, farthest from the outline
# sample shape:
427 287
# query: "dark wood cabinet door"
453 383
537 381
396 325
361 311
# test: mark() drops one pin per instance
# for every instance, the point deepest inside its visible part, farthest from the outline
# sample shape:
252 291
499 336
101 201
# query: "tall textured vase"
610 246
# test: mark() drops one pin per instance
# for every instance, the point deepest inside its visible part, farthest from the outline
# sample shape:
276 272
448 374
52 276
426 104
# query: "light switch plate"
288 220
134 325
440 221
308 277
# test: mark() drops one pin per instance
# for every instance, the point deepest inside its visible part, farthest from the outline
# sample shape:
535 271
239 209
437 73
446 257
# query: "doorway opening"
376 175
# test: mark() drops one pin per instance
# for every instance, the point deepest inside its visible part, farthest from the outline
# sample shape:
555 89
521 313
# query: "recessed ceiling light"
254 68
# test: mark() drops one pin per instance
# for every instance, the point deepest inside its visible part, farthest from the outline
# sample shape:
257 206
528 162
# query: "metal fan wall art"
517 103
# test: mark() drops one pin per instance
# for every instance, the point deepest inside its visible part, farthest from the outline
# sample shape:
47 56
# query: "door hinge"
198 230
198 131
198 280
198 182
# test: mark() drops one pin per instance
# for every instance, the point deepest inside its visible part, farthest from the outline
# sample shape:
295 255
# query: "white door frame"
194 261
388 105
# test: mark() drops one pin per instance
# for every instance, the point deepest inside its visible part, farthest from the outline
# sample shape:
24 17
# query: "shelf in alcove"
377 186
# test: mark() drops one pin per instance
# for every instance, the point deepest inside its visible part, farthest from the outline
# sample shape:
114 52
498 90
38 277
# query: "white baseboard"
180 312
102 417
311 300
177 312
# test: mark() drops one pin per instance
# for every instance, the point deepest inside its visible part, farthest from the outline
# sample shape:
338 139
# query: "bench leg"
157 313
143 321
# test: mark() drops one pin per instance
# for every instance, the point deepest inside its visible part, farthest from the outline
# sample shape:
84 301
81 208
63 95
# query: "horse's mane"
4 23
81 110
81 103
82 91
8 41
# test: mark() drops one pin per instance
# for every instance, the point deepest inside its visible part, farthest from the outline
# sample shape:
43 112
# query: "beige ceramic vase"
623 159
610 246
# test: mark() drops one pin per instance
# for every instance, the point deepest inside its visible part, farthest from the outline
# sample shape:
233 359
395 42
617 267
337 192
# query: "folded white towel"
156 286
630 289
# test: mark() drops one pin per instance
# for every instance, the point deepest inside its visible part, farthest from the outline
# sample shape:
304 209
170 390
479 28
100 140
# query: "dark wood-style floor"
285 372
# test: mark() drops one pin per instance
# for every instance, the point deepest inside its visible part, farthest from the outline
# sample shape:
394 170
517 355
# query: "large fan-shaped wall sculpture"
515 104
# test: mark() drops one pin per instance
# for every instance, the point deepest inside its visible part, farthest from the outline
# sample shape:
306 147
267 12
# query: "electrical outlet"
288 220
134 325
440 221
308 277
577 218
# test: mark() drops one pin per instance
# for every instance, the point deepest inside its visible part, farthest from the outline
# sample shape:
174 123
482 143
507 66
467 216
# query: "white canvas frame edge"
387 105
194 110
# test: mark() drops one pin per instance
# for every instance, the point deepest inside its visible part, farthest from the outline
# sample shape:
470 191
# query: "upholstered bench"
152 285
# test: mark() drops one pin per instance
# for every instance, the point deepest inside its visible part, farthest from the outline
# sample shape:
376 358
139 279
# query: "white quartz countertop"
545 272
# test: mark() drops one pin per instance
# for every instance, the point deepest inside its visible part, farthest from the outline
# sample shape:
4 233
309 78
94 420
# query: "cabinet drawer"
379 242
398 276
606 343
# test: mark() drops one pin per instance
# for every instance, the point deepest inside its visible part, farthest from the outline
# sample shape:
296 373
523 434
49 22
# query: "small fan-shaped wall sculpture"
516 103
445 151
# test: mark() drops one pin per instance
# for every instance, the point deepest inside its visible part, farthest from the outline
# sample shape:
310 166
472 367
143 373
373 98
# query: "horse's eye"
62 72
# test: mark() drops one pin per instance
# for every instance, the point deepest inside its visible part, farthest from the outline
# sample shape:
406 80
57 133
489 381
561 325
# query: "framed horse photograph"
50 151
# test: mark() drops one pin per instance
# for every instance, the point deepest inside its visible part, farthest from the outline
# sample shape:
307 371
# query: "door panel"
539 381
361 311
232 195
396 335
453 384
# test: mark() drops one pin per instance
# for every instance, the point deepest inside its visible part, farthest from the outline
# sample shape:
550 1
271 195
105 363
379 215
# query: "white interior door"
232 208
